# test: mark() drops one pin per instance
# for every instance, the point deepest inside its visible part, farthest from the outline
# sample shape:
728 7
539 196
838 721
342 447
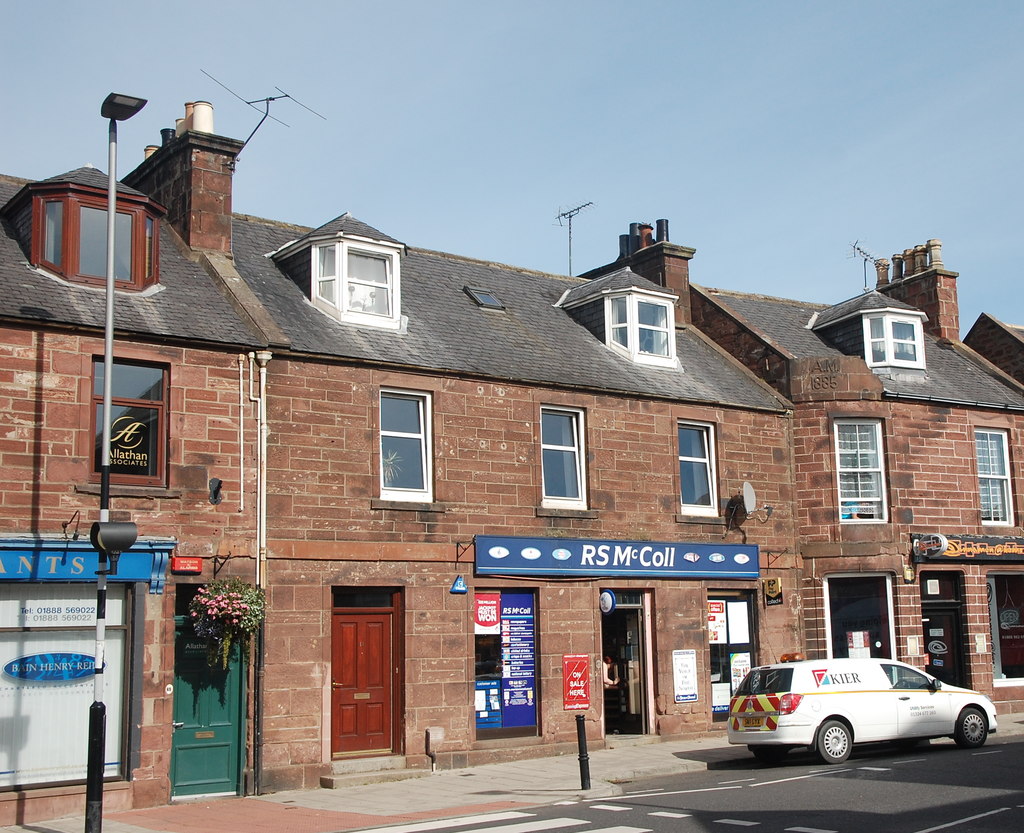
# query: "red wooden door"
361 683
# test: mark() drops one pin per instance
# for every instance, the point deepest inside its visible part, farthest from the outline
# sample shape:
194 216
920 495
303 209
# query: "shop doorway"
624 641
209 724
942 623
364 671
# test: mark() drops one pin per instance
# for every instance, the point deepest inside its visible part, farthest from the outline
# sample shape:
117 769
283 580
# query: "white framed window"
860 471
642 327
697 490
562 458
893 341
405 447
992 450
358 281
858 615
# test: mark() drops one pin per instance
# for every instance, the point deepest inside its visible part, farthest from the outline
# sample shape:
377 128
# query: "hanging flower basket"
225 612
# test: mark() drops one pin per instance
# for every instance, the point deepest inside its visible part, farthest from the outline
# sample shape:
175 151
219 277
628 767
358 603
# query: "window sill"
549 512
709 520
1012 681
408 505
151 492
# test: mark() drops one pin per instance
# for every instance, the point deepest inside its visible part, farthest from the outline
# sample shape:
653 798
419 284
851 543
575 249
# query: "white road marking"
737 781
809 830
963 821
665 814
738 822
988 752
876 768
466 821
564 803
801 777
615 808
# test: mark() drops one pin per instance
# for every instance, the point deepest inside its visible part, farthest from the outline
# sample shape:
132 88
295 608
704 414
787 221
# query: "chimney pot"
935 253
920 258
202 117
662 231
166 136
150 150
881 272
897 268
623 246
646 235
908 263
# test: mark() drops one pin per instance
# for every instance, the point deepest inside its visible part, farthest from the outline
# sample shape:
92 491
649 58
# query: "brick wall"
1000 344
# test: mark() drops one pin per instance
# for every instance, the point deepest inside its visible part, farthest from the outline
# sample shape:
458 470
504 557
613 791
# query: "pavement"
490 788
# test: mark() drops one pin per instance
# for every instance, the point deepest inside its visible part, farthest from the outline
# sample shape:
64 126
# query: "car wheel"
971 729
835 742
768 754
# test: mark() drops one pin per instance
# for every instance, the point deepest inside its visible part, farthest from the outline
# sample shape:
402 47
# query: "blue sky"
771 135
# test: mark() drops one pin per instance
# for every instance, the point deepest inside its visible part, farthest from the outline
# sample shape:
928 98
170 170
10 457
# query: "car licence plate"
753 722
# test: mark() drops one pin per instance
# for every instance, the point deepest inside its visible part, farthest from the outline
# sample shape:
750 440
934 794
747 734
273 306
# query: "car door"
921 710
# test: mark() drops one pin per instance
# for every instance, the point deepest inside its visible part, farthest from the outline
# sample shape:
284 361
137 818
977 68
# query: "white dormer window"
893 341
357 282
641 327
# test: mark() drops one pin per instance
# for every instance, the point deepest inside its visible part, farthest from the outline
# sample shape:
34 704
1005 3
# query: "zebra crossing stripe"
465 821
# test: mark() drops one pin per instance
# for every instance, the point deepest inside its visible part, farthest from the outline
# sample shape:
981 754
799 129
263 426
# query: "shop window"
70 238
992 452
697 489
562 455
47 647
859 616
505 648
138 423
405 455
731 646
860 470
1006 610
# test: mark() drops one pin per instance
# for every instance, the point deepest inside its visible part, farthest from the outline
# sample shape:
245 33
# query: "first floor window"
993 476
859 616
47 660
405 446
561 438
860 470
696 469
138 422
1006 610
357 283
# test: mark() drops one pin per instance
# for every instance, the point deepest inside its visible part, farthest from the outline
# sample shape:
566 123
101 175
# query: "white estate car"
831 704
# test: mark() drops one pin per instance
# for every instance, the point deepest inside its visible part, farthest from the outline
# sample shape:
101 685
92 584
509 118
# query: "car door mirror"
935 684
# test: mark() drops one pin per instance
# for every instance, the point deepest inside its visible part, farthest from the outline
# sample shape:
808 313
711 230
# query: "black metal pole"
581 741
95 763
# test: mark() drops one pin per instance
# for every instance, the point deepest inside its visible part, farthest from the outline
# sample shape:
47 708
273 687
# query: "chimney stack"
922 280
190 175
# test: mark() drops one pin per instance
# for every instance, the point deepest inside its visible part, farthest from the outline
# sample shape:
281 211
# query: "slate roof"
953 373
188 304
865 302
620 279
347 224
531 340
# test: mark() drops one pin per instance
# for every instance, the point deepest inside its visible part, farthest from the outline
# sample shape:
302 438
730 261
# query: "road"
935 787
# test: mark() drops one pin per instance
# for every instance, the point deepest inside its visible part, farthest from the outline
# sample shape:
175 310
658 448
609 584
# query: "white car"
829 705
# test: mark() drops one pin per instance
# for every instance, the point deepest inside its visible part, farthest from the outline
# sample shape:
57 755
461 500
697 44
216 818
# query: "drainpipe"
241 432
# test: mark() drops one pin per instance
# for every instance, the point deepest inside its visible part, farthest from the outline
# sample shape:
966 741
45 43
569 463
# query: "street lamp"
109 539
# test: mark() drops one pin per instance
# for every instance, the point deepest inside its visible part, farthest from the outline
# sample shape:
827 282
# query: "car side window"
906 678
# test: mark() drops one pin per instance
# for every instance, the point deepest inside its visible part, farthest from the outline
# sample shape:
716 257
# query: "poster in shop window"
506 687
684 676
717 624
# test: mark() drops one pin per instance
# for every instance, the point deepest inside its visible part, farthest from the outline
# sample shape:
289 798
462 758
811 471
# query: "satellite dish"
749 498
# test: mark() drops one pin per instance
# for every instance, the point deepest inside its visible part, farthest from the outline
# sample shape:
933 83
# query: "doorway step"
615 741
375 770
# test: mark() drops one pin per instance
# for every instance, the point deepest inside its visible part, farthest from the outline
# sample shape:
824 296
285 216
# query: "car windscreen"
767 681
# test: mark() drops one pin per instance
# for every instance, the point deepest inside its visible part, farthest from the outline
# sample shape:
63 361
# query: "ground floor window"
1006 608
859 616
47 662
505 641
731 646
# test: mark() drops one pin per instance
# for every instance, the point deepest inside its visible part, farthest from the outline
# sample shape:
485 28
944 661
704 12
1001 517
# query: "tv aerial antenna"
568 215
856 250
266 102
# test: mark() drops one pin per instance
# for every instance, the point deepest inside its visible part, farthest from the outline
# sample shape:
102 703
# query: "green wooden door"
206 751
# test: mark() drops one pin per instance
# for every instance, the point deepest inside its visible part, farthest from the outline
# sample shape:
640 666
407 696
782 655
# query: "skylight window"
483 297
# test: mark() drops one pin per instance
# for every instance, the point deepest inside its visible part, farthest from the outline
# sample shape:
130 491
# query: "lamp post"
109 539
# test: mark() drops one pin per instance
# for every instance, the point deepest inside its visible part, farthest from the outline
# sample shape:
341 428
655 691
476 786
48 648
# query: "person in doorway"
611 673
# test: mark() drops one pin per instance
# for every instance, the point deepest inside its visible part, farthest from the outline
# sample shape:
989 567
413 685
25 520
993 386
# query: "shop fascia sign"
515 556
41 559
933 547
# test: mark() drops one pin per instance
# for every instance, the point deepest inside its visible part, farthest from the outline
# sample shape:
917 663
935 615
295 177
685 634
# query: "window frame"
1005 480
578 449
162 407
633 327
880 470
144 254
339 307
889 340
707 432
424 402
888 606
997 626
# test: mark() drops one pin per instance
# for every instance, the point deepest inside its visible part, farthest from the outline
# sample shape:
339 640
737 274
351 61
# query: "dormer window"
69 236
641 327
357 281
893 341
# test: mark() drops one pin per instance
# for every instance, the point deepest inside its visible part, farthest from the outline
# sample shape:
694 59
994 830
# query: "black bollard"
581 740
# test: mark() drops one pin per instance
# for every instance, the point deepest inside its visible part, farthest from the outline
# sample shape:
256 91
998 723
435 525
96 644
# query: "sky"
772 135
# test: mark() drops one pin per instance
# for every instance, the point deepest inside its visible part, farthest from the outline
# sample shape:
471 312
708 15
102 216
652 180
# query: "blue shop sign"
509 556
41 559
55 667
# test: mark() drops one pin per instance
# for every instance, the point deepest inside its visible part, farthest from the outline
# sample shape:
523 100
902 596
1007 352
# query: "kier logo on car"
822 677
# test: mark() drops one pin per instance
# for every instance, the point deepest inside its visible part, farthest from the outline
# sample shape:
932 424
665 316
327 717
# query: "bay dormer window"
893 340
641 326
357 281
